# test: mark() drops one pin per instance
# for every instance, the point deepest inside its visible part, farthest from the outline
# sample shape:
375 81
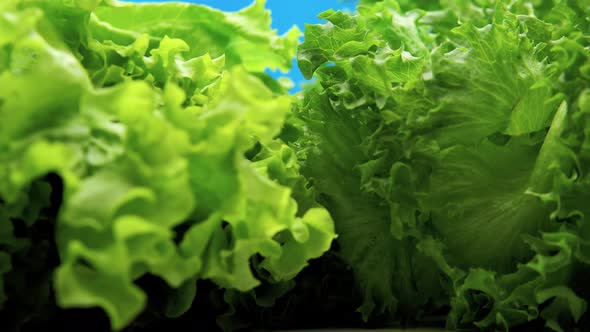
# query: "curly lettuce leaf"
148 113
448 135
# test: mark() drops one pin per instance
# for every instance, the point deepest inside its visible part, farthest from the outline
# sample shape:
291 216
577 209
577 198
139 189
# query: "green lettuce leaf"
447 141
149 115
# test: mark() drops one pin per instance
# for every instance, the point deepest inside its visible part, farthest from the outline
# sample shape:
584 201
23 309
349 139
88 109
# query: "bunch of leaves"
449 141
139 140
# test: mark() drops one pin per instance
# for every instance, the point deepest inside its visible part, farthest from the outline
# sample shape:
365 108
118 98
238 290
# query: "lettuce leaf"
147 114
446 139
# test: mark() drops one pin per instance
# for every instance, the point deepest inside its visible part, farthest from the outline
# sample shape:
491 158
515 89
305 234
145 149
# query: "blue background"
285 14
